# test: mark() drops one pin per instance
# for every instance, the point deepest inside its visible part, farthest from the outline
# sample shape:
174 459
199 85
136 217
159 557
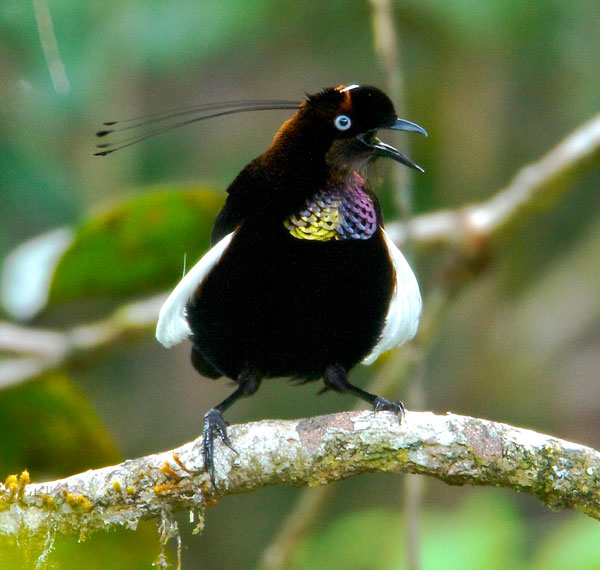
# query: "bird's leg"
215 425
336 379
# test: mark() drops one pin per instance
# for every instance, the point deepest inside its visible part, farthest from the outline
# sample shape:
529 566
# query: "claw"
381 405
214 425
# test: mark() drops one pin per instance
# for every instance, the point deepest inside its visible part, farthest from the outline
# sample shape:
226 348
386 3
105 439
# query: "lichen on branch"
458 450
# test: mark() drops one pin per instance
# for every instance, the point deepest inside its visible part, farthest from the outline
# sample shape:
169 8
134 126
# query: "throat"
347 157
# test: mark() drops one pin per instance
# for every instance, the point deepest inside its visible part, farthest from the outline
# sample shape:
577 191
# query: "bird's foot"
381 405
214 425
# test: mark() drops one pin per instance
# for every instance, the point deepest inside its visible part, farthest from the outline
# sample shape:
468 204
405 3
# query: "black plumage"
301 281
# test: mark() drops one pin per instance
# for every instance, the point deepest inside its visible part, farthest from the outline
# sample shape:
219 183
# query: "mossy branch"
458 450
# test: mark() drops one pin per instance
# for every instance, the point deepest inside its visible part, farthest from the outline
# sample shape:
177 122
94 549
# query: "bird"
301 280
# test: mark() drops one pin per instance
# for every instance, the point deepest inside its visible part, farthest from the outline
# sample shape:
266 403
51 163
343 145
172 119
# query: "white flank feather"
402 319
172 325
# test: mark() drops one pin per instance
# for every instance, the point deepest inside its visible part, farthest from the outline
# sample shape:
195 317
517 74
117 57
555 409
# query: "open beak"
380 148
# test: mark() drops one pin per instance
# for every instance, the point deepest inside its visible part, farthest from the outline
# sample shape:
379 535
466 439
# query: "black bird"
301 281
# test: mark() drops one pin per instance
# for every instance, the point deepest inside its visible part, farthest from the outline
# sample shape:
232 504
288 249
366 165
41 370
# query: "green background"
496 84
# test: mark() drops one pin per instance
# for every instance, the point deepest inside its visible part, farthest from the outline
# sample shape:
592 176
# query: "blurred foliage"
118 550
495 83
571 545
481 532
130 248
50 428
484 532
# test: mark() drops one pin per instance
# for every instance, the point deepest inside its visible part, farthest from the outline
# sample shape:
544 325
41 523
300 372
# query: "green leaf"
49 427
137 246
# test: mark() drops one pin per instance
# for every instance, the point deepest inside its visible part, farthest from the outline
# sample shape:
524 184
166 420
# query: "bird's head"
339 122
347 120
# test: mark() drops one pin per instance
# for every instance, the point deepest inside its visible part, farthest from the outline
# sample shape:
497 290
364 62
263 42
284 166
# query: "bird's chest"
292 307
339 211
290 300
331 236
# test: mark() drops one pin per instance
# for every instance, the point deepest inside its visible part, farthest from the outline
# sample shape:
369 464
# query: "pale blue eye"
342 122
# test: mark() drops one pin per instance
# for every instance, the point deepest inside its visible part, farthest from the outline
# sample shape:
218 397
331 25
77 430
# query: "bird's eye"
342 122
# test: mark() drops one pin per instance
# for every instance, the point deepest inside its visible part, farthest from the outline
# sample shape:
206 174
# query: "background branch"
47 350
49 45
458 450
533 183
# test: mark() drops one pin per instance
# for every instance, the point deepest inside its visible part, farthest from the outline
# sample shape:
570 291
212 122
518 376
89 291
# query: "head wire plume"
148 126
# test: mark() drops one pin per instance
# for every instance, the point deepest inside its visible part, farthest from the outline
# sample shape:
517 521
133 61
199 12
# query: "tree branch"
458 450
48 350
49 44
531 184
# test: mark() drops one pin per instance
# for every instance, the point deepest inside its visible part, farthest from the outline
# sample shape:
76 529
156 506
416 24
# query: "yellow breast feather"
319 225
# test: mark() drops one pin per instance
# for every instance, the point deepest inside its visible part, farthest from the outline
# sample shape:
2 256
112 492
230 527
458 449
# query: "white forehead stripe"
349 88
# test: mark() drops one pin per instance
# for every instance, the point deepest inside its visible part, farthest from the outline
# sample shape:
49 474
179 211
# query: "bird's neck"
299 149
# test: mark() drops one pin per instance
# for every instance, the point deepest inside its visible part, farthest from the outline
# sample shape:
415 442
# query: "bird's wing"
172 325
402 319
248 193
227 220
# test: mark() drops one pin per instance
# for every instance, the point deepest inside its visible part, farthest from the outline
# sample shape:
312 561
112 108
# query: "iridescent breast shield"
339 211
